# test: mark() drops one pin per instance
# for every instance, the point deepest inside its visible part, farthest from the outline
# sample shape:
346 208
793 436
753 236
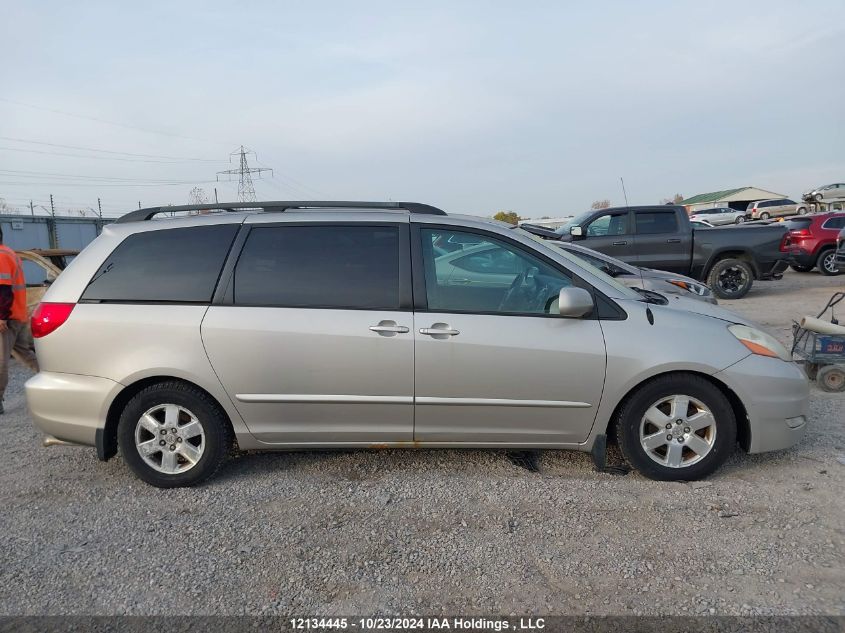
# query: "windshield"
623 290
578 220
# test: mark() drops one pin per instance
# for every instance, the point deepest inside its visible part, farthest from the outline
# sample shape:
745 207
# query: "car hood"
678 302
651 273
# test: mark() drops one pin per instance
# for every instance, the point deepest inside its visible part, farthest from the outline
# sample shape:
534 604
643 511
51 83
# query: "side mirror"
574 302
576 231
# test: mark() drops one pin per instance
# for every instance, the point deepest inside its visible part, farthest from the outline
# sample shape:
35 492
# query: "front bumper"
776 396
70 407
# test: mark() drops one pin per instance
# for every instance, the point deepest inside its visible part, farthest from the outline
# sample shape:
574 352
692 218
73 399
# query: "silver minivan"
303 325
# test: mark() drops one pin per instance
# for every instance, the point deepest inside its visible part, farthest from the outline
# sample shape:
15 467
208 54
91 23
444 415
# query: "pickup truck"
728 258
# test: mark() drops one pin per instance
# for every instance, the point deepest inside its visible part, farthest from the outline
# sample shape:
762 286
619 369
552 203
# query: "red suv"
811 241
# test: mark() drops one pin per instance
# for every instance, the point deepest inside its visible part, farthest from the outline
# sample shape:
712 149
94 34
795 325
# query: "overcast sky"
538 107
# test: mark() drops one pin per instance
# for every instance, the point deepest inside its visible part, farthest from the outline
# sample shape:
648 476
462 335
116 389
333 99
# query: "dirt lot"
432 531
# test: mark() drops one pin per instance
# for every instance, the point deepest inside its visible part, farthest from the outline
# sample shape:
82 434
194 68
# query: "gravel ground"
431 531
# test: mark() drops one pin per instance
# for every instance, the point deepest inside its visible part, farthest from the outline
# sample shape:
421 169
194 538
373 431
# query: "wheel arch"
740 254
106 438
743 427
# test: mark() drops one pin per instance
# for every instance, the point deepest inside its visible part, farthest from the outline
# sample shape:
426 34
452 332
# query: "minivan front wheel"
172 434
678 427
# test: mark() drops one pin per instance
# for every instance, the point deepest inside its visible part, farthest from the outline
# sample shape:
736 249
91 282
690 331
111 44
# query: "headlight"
700 289
758 342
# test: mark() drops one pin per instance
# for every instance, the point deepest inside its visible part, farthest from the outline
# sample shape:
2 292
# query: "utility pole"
246 190
52 207
215 196
31 209
139 204
100 207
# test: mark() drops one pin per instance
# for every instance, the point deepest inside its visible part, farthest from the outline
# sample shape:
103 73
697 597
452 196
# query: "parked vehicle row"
727 259
811 242
353 326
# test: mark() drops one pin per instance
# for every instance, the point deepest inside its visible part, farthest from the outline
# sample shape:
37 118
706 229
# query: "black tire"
802 210
216 438
632 413
826 263
802 269
765 215
739 219
819 197
730 278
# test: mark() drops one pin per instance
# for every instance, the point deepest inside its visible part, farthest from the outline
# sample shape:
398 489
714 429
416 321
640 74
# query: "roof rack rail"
142 215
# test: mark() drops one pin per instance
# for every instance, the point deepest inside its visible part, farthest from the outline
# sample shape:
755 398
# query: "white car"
719 215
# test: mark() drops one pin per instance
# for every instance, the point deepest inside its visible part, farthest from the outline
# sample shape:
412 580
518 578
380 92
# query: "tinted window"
489 260
658 222
320 266
166 265
834 223
611 224
490 277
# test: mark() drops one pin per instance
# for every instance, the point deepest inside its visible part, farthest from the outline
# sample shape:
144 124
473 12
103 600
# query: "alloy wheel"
169 438
829 263
677 431
733 279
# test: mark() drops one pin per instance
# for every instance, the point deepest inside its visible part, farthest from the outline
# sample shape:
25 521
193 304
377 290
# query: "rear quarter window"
168 265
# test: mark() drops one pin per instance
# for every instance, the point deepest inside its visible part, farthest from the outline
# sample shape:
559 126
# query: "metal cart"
823 354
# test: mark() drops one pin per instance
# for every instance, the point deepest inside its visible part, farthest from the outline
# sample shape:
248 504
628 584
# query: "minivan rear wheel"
173 434
678 427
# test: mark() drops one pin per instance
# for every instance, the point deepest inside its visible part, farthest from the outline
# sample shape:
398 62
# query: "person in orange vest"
14 333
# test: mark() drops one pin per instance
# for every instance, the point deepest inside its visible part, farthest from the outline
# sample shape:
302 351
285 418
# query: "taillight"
784 243
800 232
47 317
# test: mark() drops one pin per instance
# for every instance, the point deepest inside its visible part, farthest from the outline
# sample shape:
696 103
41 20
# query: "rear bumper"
840 260
776 396
802 258
773 270
70 407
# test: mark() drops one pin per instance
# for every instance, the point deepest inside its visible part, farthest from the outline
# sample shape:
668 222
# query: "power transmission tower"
246 190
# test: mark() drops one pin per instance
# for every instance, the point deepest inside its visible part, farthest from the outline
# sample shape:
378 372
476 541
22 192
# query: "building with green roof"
733 198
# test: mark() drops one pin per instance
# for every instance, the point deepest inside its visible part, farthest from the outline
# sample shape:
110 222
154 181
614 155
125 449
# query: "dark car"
840 252
727 258
811 241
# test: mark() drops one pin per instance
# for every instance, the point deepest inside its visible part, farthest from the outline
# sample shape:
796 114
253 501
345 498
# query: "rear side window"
658 222
834 223
354 267
179 265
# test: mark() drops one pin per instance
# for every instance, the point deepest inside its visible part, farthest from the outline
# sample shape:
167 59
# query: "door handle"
461 281
444 330
385 327
623 243
673 240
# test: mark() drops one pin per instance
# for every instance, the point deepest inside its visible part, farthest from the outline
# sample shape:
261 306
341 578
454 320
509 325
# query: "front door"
315 346
611 234
493 363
